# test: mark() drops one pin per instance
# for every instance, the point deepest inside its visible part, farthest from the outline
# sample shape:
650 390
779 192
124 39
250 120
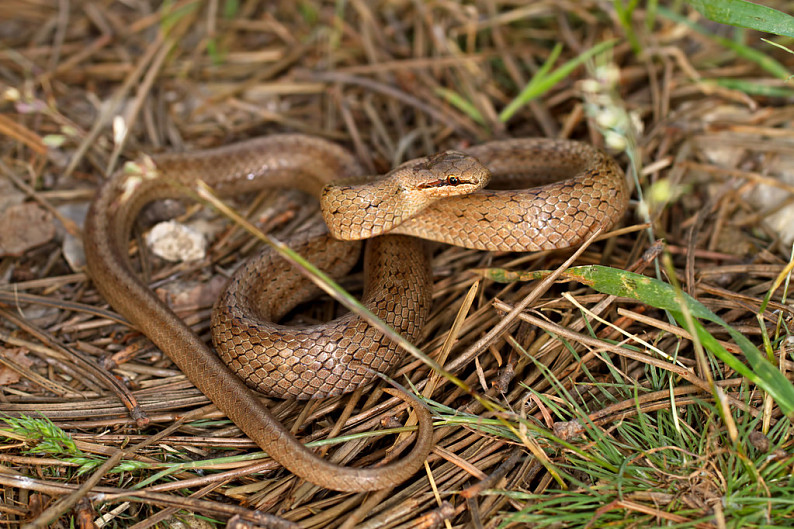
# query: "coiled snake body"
311 361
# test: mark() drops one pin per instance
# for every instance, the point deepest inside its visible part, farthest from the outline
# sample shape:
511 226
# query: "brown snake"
556 215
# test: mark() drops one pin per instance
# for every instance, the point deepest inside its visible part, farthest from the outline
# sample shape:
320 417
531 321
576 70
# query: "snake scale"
582 190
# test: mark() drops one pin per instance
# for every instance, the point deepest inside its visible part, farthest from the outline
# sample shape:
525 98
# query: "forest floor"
603 401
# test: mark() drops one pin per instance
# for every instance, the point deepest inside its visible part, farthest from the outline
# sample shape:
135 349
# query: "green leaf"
764 61
743 14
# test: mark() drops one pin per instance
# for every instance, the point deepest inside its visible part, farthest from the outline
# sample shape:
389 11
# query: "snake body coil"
556 215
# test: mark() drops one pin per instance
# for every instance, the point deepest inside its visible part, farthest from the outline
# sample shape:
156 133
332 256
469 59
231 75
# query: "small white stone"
175 242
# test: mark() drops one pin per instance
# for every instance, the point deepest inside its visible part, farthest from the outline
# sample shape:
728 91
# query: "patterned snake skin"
338 358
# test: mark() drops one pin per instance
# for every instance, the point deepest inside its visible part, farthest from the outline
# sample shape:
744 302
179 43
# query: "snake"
542 194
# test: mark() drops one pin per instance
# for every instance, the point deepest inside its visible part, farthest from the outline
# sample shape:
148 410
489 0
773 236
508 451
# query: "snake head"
375 207
450 173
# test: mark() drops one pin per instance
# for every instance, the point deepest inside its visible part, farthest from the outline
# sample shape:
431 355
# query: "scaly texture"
556 215
592 194
275 161
328 359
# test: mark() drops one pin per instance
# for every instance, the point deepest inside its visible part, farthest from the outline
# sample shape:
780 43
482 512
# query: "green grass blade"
752 88
625 12
743 14
544 81
762 372
663 296
456 100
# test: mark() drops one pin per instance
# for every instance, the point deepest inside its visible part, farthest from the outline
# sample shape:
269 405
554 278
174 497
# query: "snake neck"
355 212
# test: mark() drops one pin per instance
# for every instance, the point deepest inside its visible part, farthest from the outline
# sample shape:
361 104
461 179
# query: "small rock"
176 242
759 441
24 226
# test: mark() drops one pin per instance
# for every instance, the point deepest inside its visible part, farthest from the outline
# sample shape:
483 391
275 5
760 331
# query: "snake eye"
453 180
